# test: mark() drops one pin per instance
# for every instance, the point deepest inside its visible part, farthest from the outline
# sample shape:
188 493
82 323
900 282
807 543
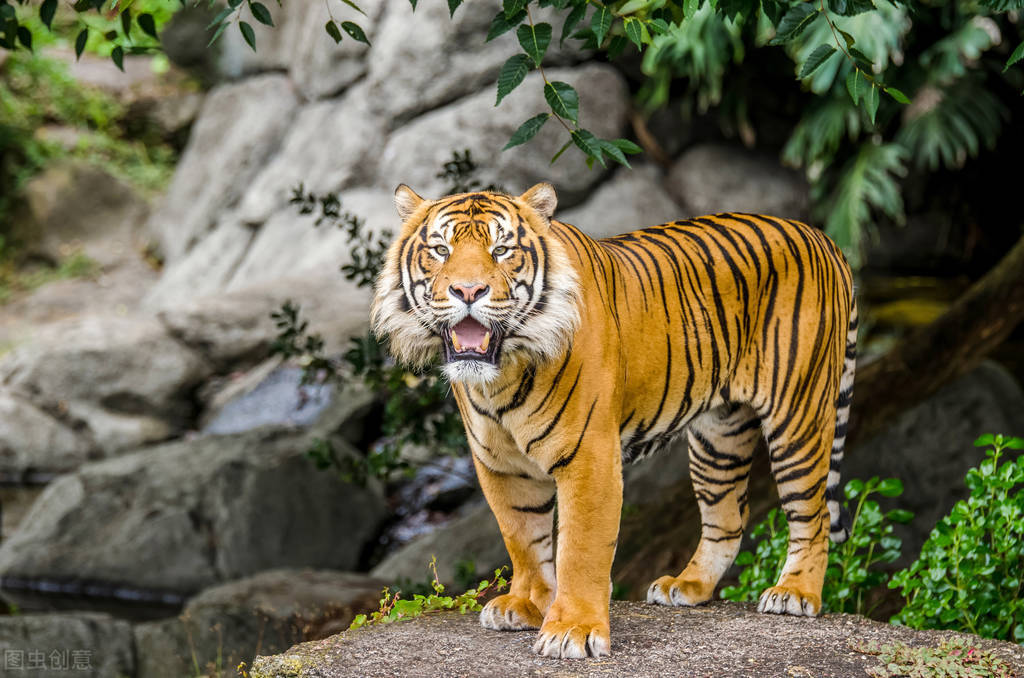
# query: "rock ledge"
719 639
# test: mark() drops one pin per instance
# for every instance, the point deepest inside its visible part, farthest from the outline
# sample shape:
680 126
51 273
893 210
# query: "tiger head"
479 277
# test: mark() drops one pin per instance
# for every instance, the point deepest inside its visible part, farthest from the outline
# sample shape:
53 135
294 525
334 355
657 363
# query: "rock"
33 442
299 45
712 178
123 378
239 128
930 447
719 639
268 612
279 399
631 199
70 643
193 513
414 153
73 206
473 537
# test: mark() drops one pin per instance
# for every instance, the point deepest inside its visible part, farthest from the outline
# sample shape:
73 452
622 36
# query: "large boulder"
70 643
122 381
414 153
190 514
239 128
711 178
268 612
631 199
33 441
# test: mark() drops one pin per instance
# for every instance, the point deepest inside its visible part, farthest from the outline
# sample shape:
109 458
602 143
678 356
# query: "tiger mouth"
470 340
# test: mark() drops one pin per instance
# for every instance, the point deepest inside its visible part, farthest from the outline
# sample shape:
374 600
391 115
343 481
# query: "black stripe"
546 507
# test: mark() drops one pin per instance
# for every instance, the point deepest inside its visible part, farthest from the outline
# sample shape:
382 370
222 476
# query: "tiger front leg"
524 509
589 509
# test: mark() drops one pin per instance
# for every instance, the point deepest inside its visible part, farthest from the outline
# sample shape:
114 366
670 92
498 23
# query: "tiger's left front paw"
787 600
568 640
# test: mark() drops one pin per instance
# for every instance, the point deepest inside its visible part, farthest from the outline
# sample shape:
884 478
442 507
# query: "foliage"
75 265
852 566
395 608
969 574
953 658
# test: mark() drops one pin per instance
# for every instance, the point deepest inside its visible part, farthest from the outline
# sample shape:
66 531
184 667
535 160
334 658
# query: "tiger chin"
569 356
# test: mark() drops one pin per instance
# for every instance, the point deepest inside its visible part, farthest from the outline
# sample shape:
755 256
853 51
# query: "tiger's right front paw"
510 613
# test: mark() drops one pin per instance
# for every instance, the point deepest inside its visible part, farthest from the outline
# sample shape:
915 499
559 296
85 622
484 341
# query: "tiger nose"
469 292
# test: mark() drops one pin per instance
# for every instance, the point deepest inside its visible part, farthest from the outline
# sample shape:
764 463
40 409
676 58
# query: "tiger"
570 356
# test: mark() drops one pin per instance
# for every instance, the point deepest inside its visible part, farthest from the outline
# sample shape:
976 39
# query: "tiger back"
569 356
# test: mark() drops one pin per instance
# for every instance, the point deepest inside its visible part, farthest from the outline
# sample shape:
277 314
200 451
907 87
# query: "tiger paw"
510 613
786 600
678 591
568 640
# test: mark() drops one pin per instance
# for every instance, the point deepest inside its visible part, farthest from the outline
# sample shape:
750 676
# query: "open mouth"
471 340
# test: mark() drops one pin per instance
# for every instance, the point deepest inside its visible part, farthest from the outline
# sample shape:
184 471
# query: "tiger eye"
499 250
441 250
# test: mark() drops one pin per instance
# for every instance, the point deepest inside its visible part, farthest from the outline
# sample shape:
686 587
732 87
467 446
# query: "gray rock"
124 378
32 441
711 178
74 206
70 643
280 399
189 514
631 199
239 128
930 447
299 45
414 153
268 612
472 536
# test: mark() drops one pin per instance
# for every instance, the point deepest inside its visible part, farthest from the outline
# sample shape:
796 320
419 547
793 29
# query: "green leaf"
890 487
333 31
46 12
452 6
354 31
527 130
117 56
261 13
534 39
896 94
413 3
855 86
559 152
900 515
690 7
221 15
601 23
512 74
637 32
126 22
1017 55
627 146
614 151
984 440
216 34
147 24
83 37
563 99
25 37
503 24
359 9
819 56
513 7
575 16
248 34
871 101
794 22
590 145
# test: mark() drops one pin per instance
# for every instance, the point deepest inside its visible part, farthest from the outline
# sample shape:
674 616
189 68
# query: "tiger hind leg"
800 465
721 448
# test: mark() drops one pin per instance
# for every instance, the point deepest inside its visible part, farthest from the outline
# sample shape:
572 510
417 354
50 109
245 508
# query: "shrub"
852 566
968 576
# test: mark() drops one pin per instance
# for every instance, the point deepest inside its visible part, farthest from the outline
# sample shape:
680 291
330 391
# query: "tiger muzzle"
471 340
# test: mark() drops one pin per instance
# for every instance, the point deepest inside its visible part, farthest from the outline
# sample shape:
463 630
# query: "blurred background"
203 453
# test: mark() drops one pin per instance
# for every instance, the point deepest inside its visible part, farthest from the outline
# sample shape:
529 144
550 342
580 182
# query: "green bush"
969 574
852 566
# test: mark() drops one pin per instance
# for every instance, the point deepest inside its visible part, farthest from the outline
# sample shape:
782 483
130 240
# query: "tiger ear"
406 201
541 198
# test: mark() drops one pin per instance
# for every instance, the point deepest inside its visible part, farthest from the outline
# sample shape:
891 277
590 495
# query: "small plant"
394 608
852 566
460 173
969 574
953 658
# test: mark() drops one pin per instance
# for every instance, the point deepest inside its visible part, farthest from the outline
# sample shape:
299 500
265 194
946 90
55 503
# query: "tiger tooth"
455 342
485 343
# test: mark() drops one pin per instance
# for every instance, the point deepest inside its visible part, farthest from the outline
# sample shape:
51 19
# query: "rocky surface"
720 639
73 643
268 612
187 515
